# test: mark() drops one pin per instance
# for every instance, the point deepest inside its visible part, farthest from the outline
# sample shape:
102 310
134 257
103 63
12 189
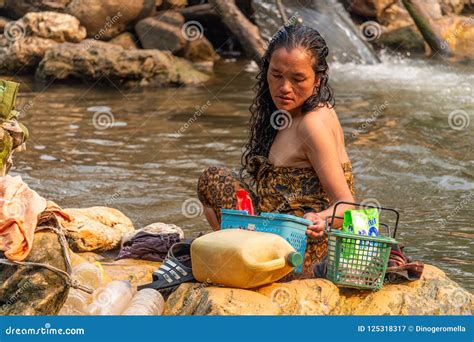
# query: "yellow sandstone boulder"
433 294
96 229
199 299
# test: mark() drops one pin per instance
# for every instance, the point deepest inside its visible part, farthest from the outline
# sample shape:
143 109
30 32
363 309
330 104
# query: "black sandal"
175 270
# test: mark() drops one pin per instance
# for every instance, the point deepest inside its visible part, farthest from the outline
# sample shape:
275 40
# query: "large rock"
126 40
24 42
407 38
198 299
16 9
3 22
92 60
304 297
96 229
433 294
105 19
200 50
34 290
163 32
458 31
389 13
451 6
51 25
22 55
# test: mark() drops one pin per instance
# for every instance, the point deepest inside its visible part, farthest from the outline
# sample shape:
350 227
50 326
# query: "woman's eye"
276 76
300 80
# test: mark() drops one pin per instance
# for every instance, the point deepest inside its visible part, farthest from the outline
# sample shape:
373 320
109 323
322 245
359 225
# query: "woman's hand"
316 230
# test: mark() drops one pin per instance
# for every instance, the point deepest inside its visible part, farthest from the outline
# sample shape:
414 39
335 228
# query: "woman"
295 154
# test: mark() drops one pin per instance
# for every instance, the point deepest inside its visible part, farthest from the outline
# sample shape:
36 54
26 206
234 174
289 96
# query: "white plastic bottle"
112 299
147 302
90 275
76 303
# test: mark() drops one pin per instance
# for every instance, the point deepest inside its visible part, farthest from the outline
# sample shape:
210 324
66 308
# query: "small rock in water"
47 157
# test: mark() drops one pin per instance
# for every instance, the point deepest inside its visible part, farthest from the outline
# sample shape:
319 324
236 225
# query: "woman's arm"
320 148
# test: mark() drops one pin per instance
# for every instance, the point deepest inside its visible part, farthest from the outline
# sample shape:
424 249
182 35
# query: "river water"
409 134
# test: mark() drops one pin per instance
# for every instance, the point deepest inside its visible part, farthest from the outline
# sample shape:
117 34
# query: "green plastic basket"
358 261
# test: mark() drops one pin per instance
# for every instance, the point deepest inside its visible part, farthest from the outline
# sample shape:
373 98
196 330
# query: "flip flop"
175 270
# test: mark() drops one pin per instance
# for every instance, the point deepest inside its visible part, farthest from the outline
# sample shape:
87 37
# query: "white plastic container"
90 275
76 303
112 299
147 302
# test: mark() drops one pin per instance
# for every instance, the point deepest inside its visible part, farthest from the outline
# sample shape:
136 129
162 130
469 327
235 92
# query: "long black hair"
262 132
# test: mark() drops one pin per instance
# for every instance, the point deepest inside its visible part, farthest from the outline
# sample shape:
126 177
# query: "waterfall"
345 42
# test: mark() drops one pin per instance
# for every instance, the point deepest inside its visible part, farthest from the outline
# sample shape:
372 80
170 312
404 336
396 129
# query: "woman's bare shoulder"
317 118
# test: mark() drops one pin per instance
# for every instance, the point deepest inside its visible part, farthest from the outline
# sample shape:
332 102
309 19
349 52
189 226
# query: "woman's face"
291 78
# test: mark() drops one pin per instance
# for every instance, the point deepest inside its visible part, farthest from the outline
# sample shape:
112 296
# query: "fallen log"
246 32
428 28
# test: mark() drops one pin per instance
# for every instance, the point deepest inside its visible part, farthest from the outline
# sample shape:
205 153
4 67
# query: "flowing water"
346 44
142 151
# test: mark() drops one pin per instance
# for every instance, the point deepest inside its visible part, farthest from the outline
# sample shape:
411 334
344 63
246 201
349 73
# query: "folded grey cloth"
151 242
148 246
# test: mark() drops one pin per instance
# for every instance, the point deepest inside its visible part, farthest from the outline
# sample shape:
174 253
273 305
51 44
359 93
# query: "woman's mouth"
284 99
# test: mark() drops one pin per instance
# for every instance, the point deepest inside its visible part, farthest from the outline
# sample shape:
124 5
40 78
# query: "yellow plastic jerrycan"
242 258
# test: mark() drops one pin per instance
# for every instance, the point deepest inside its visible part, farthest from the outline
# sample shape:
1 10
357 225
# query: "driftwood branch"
246 32
281 9
427 27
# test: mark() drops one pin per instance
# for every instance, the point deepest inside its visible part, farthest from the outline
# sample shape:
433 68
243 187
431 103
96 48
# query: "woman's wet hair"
262 133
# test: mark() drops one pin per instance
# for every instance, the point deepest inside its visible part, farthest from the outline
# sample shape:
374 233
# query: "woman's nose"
285 86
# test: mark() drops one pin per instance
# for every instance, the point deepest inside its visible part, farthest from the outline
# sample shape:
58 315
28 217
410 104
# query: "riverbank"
97 229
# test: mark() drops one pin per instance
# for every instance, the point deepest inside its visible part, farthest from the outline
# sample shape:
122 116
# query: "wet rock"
25 41
51 25
406 38
105 19
22 55
200 50
458 31
92 60
433 294
389 13
16 9
96 229
163 32
451 6
3 22
126 40
197 299
34 290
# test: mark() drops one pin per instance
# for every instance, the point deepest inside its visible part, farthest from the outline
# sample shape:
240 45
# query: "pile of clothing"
20 209
150 243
